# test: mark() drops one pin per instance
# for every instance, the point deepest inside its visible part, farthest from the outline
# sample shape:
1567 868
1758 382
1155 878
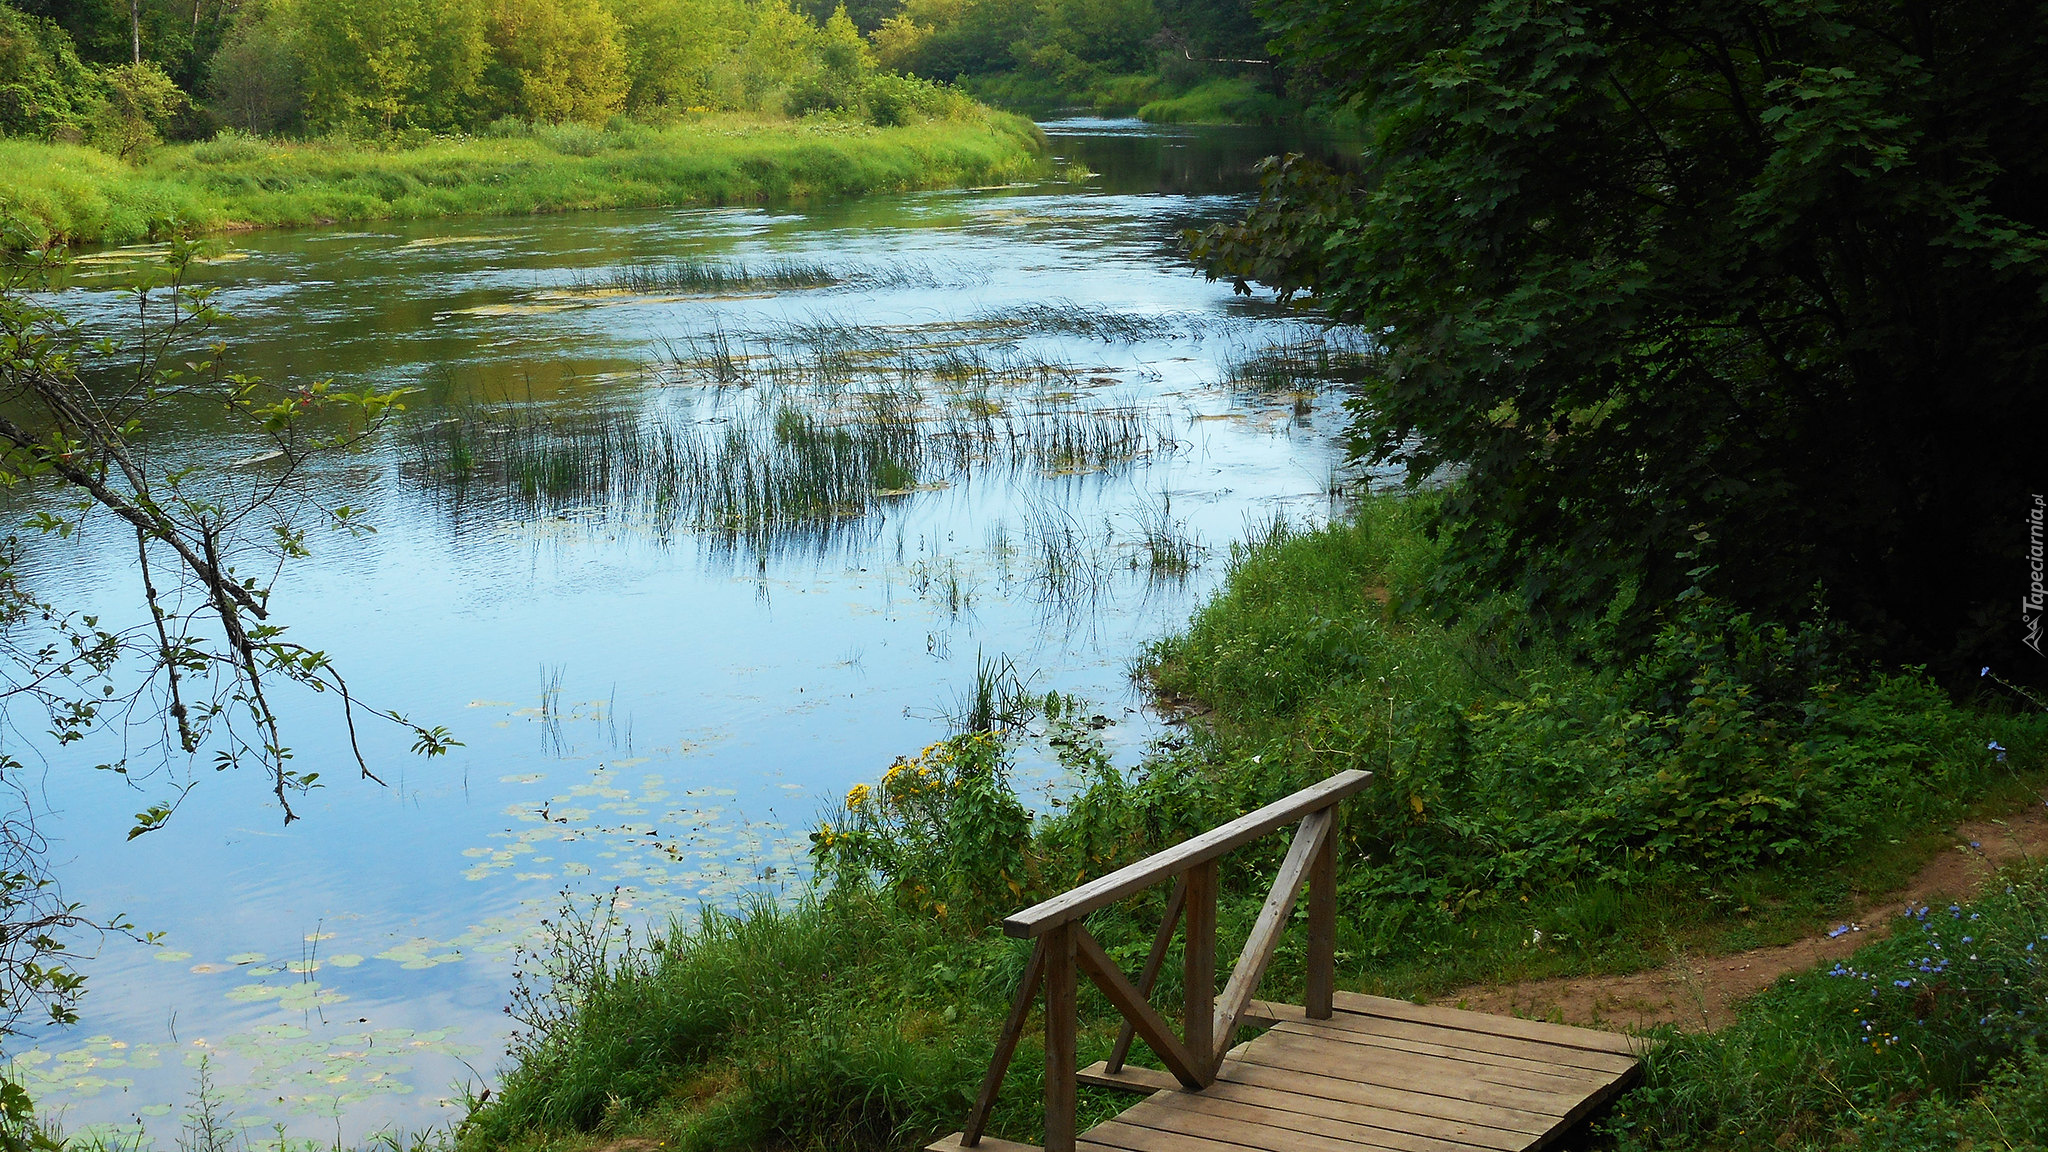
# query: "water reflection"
697 518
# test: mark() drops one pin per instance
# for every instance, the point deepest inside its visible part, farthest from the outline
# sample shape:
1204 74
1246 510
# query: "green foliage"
81 195
136 102
1883 1050
255 78
44 90
1765 267
804 1016
942 834
390 64
1506 767
558 60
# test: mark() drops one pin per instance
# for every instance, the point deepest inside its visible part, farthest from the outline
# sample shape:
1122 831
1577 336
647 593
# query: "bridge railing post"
1319 981
1198 966
1064 949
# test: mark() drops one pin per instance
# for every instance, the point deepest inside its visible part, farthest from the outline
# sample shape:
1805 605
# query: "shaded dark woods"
1745 291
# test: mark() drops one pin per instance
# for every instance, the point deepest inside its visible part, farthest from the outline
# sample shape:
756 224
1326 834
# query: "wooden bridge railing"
1210 1022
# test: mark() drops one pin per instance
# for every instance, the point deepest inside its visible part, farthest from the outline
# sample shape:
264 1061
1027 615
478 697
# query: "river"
651 701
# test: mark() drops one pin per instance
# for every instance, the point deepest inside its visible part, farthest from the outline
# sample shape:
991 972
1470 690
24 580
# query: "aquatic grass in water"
1333 358
784 274
1167 548
789 442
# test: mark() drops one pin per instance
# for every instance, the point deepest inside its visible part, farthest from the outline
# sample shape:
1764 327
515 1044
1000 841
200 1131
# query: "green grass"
1222 101
1741 784
1886 1050
83 196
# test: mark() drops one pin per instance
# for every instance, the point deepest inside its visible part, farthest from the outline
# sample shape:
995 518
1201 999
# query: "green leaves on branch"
198 664
1763 267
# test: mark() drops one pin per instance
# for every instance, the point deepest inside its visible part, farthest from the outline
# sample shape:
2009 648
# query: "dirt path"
1696 993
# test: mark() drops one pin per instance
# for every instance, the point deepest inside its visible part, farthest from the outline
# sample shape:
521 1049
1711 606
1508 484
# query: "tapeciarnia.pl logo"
2036 601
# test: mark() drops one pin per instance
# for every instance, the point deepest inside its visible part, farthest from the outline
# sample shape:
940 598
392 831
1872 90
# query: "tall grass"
866 1023
83 196
1884 1050
780 440
719 277
1338 357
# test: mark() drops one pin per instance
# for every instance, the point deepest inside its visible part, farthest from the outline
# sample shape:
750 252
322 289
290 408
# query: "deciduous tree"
1764 280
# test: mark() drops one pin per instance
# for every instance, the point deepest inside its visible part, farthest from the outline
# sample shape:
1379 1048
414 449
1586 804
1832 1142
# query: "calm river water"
679 702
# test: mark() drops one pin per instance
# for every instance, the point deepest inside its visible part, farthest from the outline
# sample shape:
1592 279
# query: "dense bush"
1508 760
1774 268
44 90
1520 787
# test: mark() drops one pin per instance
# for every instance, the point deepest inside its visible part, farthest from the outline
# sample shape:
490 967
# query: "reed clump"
757 441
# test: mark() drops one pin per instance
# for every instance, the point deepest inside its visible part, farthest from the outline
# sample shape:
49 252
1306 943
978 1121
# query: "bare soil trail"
1701 993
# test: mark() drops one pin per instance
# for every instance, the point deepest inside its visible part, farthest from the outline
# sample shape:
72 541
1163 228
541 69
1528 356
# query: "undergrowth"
1543 804
1931 1038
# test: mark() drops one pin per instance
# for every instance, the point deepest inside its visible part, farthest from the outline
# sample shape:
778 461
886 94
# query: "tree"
44 89
88 418
1760 282
390 64
254 77
680 53
559 59
136 101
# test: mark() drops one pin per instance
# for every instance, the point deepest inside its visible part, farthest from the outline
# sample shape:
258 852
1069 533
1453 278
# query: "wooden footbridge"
1338 1072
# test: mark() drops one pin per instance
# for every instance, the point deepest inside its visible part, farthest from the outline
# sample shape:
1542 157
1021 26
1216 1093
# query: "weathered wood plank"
1207 847
1394 1071
1198 963
1320 964
1453 1062
1133 1138
1061 1024
1392 1030
1295 1130
1184 1121
1462 1133
1459 1018
1421 1106
1187 1067
1586 1107
1128 1078
1265 934
1574 1073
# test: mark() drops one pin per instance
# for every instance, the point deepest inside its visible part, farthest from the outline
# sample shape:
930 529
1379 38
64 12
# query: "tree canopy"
1749 290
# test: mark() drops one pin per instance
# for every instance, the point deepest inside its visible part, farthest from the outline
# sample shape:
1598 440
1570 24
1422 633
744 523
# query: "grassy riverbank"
1542 807
84 196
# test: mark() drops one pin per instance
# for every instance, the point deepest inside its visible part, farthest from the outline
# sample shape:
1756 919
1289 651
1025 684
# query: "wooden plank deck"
1378 1076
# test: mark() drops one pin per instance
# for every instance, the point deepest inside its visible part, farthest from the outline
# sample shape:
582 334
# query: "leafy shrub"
44 90
573 138
942 832
232 146
1509 763
138 104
